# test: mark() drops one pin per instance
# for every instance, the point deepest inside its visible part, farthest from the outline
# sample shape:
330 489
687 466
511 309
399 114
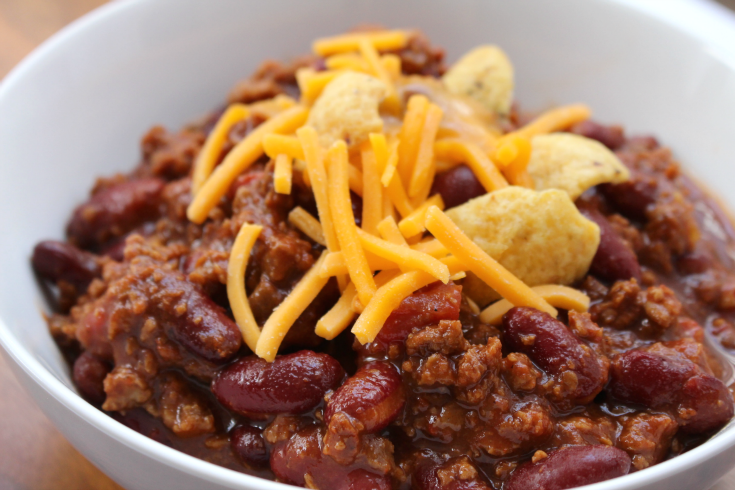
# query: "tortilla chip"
573 163
540 237
347 109
484 74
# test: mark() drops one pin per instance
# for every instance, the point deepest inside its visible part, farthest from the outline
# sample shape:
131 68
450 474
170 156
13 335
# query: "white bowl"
78 105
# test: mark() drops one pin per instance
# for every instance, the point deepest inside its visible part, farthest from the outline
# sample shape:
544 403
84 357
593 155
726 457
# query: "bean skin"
302 455
610 136
632 198
700 402
571 467
427 476
648 379
114 211
294 383
457 186
427 306
88 373
202 327
249 446
556 350
60 261
374 396
614 260
705 405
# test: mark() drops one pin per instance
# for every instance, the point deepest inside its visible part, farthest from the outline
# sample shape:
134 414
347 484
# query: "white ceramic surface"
77 107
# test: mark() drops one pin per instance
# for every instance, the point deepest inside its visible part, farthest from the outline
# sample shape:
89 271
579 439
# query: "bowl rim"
711 24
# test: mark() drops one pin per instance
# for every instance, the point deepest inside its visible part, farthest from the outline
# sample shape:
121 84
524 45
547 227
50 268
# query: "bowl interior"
78 108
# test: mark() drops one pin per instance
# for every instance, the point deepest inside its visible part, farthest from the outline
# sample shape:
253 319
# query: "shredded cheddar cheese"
410 135
311 83
236 294
380 40
318 177
424 166
339 317
516 169
278 144
377 68
282 174
465 152
406 258
413 224
372 208
335 264
355 137
210 152
238 160
558 296
284 316
485 267
387 299
555 120
388 229
307 224
344 223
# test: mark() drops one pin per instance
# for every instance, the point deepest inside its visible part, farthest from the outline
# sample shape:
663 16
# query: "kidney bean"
705 405
459 474
427 306
201 325
59 261
648 379
555 349
610 136
571 467
302 455
114 211
695 262
457 186
614 260
633 197
294 383
249 446
374 396
88 373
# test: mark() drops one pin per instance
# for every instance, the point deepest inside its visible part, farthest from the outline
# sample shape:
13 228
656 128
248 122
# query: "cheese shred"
284 316
485 267
282 173
344 222
559 296
236 294
404 241
307 224
210 152
244 154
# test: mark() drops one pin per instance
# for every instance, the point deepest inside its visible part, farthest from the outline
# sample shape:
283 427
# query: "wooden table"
33 454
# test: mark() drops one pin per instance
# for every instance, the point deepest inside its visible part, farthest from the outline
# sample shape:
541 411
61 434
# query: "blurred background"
33 455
